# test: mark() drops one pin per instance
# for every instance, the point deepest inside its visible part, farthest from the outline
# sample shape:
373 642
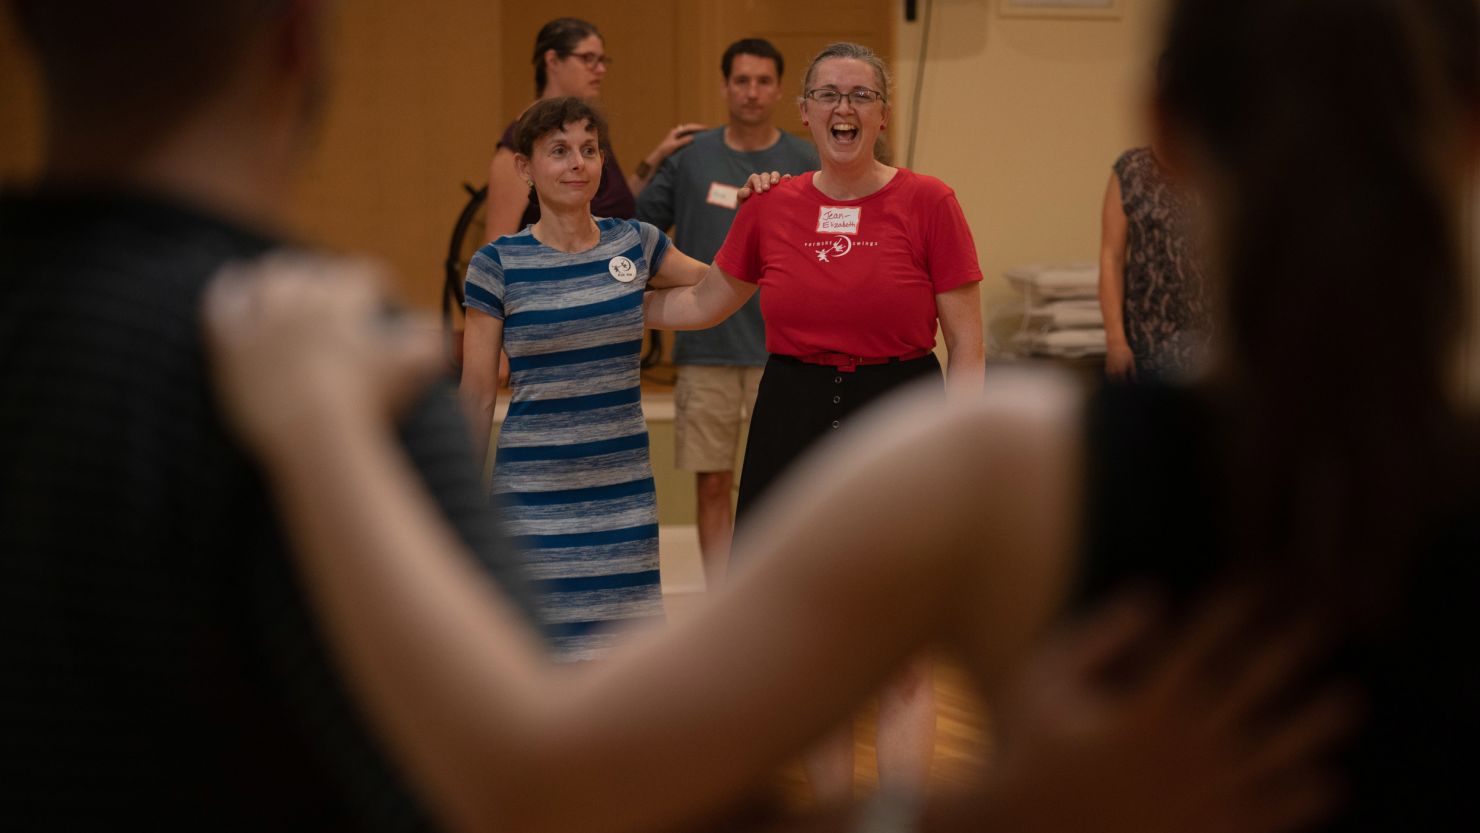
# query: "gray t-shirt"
693 192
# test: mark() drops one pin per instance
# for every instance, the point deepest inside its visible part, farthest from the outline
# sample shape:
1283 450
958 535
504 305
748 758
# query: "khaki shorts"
711 404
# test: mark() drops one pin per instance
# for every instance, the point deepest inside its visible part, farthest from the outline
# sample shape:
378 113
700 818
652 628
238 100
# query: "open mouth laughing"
844 133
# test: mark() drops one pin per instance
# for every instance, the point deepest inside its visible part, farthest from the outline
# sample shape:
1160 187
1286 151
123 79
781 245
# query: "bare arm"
508 197
960 314
483 342
712 299
503 743
677 138
1118 360
500 740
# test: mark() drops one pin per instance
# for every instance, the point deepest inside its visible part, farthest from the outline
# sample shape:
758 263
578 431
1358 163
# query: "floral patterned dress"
1165 308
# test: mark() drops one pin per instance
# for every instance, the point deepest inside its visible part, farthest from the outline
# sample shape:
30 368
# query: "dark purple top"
613 197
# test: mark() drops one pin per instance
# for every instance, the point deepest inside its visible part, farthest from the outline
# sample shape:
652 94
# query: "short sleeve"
654 245
483 289
950 254
740 256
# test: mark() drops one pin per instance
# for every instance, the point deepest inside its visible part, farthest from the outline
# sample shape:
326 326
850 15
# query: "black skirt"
798 404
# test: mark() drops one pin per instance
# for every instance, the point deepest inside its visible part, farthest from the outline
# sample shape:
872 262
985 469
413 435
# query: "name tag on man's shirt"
724 196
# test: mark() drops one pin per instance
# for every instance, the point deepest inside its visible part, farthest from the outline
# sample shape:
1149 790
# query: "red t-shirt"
851 276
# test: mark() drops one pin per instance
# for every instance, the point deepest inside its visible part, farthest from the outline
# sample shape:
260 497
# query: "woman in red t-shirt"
859 262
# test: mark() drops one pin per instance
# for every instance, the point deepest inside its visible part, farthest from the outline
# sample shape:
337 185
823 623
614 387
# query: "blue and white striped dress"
572 472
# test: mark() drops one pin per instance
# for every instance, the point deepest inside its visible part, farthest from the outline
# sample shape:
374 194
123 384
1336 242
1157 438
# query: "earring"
806 123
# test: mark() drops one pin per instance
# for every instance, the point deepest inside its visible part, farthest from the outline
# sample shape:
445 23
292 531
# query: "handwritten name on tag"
724 196
837 219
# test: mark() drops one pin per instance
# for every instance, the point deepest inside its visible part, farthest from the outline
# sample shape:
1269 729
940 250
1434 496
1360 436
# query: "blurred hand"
1120 362
1172 750
294 336
677 138
760 184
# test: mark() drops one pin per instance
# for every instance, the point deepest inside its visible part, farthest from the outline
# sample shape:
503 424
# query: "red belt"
847 364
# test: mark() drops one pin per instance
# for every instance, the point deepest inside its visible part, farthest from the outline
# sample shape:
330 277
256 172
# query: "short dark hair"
552 114
561 34
130 71
759 47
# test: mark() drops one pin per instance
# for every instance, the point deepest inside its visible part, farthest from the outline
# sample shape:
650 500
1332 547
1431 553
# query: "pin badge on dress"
623 269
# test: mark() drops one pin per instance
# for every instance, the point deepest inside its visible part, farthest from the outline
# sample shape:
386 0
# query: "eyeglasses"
861 97
591 59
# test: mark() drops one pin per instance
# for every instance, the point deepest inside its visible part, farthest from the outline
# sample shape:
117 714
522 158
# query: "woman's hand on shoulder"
294 337
759 183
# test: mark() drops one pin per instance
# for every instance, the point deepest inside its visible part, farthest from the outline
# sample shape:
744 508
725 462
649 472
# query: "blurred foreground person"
1346 492
159 665
1334 143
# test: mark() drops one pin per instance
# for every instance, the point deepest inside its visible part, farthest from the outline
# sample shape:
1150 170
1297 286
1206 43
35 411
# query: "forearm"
960 314
478 402
966 364
696 307
443 665
1112 298
646 169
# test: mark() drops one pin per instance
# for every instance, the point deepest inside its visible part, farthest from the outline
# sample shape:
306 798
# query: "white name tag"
724 196
623 269
837 219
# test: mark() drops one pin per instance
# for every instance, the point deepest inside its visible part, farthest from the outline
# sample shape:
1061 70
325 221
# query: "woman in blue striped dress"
563 298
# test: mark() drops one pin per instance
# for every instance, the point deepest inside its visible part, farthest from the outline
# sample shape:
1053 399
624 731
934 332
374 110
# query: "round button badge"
623 269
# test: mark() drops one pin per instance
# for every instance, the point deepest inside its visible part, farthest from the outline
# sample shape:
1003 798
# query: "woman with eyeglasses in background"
860 261
569 60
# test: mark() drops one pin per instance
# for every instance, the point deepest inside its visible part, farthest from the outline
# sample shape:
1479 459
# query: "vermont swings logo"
835 249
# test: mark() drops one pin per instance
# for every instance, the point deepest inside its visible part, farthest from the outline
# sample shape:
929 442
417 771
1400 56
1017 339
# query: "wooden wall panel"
415 108
20 106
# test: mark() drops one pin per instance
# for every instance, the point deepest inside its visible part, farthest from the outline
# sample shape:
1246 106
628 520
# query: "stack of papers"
1061 310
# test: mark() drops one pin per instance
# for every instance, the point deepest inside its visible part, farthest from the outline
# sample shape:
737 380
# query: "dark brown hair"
759 47
562 35
1334 127
552 114
128 72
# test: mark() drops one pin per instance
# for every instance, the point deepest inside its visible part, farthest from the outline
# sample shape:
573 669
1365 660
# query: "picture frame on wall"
1092 9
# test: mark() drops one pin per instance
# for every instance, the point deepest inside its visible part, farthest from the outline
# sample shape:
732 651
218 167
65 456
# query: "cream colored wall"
1024 117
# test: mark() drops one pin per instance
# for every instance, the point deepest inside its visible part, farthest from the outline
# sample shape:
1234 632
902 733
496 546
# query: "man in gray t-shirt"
695 193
